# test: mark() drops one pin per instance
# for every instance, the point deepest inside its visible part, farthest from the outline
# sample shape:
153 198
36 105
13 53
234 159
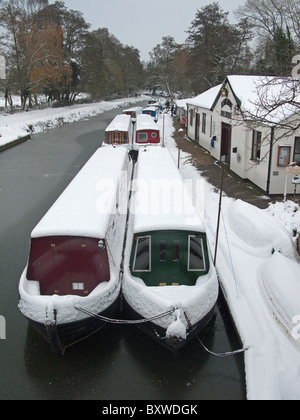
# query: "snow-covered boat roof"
150 108
161 200
120 123
145 122
85 207
135 108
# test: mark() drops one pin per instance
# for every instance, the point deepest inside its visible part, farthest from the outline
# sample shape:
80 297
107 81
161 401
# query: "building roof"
206 99
270 98
256 96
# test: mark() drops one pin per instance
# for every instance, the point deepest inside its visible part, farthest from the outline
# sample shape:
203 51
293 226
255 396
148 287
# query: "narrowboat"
146 132
168 264
153 111
133 112
76 252
120 132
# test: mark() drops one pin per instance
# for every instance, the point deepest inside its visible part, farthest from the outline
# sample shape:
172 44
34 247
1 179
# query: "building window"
284 156
256 146
204 123
191 117
297 150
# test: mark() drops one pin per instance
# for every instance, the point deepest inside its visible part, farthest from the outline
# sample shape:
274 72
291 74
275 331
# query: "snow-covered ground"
259 271
257 263
20 124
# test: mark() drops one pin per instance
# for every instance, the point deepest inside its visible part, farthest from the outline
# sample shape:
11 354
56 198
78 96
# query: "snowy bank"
20 124
257 254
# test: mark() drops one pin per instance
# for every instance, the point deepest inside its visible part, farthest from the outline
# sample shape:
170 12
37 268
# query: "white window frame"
150 256
78 286
142 134
189 253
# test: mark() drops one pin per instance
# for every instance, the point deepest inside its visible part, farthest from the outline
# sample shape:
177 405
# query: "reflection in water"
122 363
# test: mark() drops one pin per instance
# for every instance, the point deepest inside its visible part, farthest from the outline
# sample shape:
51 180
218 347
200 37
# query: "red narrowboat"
147 132
120 132
76 252
133 112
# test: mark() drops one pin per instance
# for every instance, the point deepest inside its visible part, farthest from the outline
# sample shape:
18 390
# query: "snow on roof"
161 200
206 99
257 93
85 207
145 122
182 103
120 123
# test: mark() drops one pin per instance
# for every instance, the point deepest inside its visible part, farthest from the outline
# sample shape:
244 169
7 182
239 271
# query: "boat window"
78 286
142 255
107 138
142 137
162 250
196 260
154 135
118 138
176 250
125 138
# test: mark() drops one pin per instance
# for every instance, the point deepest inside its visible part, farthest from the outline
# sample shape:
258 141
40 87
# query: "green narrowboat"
168 267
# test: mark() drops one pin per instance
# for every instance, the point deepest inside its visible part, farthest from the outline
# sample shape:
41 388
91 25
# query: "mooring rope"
222 355
124 321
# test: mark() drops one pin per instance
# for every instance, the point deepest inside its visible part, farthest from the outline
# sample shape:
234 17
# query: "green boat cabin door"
168 249
167 258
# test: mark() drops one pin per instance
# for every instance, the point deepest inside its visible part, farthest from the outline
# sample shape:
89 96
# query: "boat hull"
158 333
62 336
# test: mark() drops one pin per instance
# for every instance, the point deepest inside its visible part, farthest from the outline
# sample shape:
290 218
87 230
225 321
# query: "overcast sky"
141 23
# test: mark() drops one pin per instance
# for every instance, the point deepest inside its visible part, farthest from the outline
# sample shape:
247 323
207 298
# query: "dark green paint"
169 271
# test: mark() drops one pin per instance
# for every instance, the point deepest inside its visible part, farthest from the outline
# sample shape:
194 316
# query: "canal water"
120 362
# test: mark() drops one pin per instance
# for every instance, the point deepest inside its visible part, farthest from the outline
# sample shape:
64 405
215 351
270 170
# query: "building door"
197 129
226 143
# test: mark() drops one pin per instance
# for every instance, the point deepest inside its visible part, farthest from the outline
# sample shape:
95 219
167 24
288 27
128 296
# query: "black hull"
158 333
62 336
